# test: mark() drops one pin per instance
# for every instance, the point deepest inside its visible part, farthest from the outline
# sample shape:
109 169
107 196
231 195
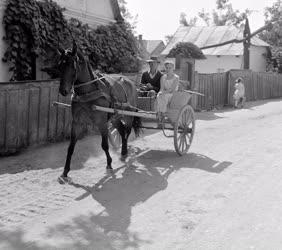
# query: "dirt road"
224 194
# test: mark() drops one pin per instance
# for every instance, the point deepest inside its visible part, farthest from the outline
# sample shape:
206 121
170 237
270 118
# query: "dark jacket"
155 81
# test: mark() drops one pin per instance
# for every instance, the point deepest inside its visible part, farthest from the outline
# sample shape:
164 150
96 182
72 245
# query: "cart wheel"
184 128
114 137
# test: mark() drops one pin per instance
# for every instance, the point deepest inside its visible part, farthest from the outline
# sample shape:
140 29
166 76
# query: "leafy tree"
205 16
274 35
168 38
129 18
37 28
224 14
183 21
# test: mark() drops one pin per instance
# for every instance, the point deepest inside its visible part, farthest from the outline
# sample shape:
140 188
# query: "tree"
130 20
273 36
224 14
183 21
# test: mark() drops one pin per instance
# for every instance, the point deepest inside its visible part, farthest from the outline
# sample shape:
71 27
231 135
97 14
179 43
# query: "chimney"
140 37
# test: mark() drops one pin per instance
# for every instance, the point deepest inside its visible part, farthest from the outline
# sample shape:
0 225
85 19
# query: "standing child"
239 93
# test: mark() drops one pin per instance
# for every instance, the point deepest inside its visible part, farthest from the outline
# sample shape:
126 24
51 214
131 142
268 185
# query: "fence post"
194 100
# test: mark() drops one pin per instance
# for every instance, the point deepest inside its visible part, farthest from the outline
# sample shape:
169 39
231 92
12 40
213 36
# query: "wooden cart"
179 118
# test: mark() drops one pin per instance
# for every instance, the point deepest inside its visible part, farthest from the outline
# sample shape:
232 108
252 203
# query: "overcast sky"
158 18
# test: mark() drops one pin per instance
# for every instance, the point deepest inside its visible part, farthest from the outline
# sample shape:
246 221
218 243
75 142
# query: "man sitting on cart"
150 80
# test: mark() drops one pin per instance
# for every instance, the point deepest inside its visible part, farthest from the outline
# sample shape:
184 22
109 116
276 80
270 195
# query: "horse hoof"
123 158
64 180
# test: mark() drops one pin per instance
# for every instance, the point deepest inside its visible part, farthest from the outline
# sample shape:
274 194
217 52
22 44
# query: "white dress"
163 99
239 91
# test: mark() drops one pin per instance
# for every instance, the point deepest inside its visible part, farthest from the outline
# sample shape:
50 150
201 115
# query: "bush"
37 29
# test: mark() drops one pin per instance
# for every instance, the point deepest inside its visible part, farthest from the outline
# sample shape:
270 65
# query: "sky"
158 18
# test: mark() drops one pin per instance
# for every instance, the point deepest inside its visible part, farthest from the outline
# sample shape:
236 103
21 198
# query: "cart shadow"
137 182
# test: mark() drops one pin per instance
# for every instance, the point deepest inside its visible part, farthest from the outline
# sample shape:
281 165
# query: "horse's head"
69 69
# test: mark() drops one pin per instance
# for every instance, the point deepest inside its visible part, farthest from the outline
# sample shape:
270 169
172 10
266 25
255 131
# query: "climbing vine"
36 29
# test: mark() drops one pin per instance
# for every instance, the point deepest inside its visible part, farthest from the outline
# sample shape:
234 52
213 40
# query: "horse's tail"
137 125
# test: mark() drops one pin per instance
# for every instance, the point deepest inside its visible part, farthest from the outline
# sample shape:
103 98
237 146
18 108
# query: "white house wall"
93 12
258 59
214 64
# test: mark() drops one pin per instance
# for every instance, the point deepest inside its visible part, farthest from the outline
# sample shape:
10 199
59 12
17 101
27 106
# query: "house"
223 58
93 12
151 47
148 48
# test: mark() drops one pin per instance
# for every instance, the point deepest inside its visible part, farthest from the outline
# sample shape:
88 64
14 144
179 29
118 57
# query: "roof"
210 35
152 45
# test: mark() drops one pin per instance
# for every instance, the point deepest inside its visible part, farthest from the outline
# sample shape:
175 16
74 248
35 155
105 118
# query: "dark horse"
93 89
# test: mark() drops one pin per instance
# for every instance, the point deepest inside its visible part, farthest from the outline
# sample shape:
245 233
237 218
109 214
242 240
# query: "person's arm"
156 86
162 84
143 78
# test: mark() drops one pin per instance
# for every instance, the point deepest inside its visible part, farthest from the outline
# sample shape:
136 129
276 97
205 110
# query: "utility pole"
247 43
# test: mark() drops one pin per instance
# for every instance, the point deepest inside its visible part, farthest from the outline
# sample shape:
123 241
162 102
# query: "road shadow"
142 177
136 182
207 116
52 156
166 159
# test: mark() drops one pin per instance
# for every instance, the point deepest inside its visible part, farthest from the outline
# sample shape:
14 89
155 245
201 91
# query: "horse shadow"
136 182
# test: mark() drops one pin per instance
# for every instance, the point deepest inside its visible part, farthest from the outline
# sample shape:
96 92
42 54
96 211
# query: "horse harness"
98 93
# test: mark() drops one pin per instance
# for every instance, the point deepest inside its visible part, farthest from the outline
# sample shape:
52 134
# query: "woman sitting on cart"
169 84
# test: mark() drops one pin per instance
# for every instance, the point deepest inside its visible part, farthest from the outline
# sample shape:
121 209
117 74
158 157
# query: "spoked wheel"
114 137
184 129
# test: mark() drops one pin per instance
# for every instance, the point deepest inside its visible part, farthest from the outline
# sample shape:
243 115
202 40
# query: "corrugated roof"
205 36
151 45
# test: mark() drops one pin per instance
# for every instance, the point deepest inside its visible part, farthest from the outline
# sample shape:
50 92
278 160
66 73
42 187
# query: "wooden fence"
218 88
215 89
27 116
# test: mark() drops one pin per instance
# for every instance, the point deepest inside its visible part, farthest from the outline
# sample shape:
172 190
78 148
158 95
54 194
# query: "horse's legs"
73 141
124 132
64 177
105 145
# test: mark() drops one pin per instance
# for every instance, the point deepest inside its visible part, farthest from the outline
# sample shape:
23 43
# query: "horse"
88 89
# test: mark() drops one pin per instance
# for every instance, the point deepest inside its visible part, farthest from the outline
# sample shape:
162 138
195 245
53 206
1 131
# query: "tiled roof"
210 35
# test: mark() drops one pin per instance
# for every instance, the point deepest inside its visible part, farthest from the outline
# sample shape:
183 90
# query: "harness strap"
91 96
87 83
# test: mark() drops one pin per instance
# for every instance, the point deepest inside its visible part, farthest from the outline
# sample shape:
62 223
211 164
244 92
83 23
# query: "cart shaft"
124 112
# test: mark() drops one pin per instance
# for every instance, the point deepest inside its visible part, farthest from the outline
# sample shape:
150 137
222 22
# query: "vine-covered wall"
36 29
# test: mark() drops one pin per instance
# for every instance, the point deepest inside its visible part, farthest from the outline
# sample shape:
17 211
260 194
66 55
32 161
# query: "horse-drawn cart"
179 118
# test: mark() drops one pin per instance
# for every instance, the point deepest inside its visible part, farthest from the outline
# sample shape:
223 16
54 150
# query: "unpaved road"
226 193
